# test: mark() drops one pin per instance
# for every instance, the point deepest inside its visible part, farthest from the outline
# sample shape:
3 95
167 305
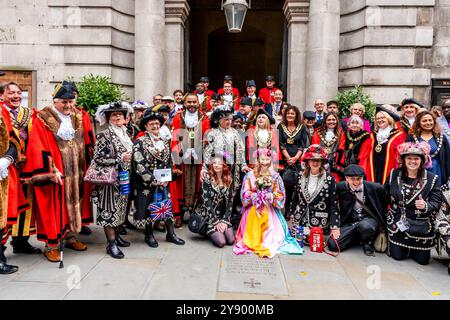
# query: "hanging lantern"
235 11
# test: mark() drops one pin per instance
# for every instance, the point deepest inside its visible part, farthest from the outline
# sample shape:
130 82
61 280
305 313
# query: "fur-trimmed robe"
12 199
47 153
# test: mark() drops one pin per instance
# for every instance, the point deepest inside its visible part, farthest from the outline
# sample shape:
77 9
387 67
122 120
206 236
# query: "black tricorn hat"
410 101
270 78
353 170
246 101
228 77
63 92
215 96
204 79
150 115
72 84
264 112
164 108
258 102
394 116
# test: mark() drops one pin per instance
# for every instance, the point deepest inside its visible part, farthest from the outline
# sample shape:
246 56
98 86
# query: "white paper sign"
163 175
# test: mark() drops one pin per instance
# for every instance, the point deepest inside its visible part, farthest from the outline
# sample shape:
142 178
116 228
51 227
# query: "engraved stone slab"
251 274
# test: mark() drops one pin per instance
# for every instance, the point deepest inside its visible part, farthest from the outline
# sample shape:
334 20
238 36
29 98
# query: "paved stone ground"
200 271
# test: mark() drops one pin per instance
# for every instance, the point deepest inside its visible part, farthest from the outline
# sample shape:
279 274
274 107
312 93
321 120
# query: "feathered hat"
219 113
104 111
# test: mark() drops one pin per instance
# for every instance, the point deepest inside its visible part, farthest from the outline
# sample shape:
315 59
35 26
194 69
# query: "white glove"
4 165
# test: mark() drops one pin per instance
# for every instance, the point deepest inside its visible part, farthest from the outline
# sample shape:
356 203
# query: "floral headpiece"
139 105
421 149
314 151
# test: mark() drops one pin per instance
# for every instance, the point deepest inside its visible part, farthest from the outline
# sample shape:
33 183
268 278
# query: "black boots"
121 242
368 249
149 238
4 267
171 236
113 250
21 245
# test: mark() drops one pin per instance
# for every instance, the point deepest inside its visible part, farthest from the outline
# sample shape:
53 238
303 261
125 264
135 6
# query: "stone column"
322 56
296 12
149 49
176 14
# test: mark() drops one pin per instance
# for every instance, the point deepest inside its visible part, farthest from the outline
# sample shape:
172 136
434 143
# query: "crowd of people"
254 169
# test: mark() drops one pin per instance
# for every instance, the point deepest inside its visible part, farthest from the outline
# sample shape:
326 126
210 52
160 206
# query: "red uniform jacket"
266 94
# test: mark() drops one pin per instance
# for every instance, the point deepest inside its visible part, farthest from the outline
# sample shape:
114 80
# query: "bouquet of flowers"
263 184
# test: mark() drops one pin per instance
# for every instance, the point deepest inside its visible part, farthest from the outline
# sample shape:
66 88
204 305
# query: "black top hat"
228 77
149 115
63 92
270 78
204 79
394 116
353 170
263 111
410 101
310 115
250 83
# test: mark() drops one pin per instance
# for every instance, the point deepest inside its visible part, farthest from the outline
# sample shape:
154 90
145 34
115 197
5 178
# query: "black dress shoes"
7 269
121 242
368 249
85 231
174 239
113 250
26 248
151 241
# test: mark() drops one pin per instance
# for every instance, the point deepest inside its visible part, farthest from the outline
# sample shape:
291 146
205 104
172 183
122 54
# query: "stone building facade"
394 48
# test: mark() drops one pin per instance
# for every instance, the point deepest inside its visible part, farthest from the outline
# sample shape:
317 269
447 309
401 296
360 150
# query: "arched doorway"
251 54
241 55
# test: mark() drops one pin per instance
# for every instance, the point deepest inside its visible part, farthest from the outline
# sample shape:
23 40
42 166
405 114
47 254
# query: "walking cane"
61 246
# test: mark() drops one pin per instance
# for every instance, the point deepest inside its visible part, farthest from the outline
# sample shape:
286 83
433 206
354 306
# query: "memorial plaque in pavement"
251 274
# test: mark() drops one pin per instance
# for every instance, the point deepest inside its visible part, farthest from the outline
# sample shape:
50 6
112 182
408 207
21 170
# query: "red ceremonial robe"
87 214
390 162
251 147
267 95
44 157
176 147
12 198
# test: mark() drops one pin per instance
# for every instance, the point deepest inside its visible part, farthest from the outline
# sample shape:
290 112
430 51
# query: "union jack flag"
161 210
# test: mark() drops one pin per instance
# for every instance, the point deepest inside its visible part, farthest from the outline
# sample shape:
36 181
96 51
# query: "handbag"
290 176
197 223
101 175
161 207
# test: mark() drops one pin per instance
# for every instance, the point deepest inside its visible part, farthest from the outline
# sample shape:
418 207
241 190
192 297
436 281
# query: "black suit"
356 227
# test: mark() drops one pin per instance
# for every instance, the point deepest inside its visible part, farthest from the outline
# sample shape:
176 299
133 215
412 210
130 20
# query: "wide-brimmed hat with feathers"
104 111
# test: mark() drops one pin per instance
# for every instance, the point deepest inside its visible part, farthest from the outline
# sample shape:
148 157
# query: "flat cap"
353 170
309 115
